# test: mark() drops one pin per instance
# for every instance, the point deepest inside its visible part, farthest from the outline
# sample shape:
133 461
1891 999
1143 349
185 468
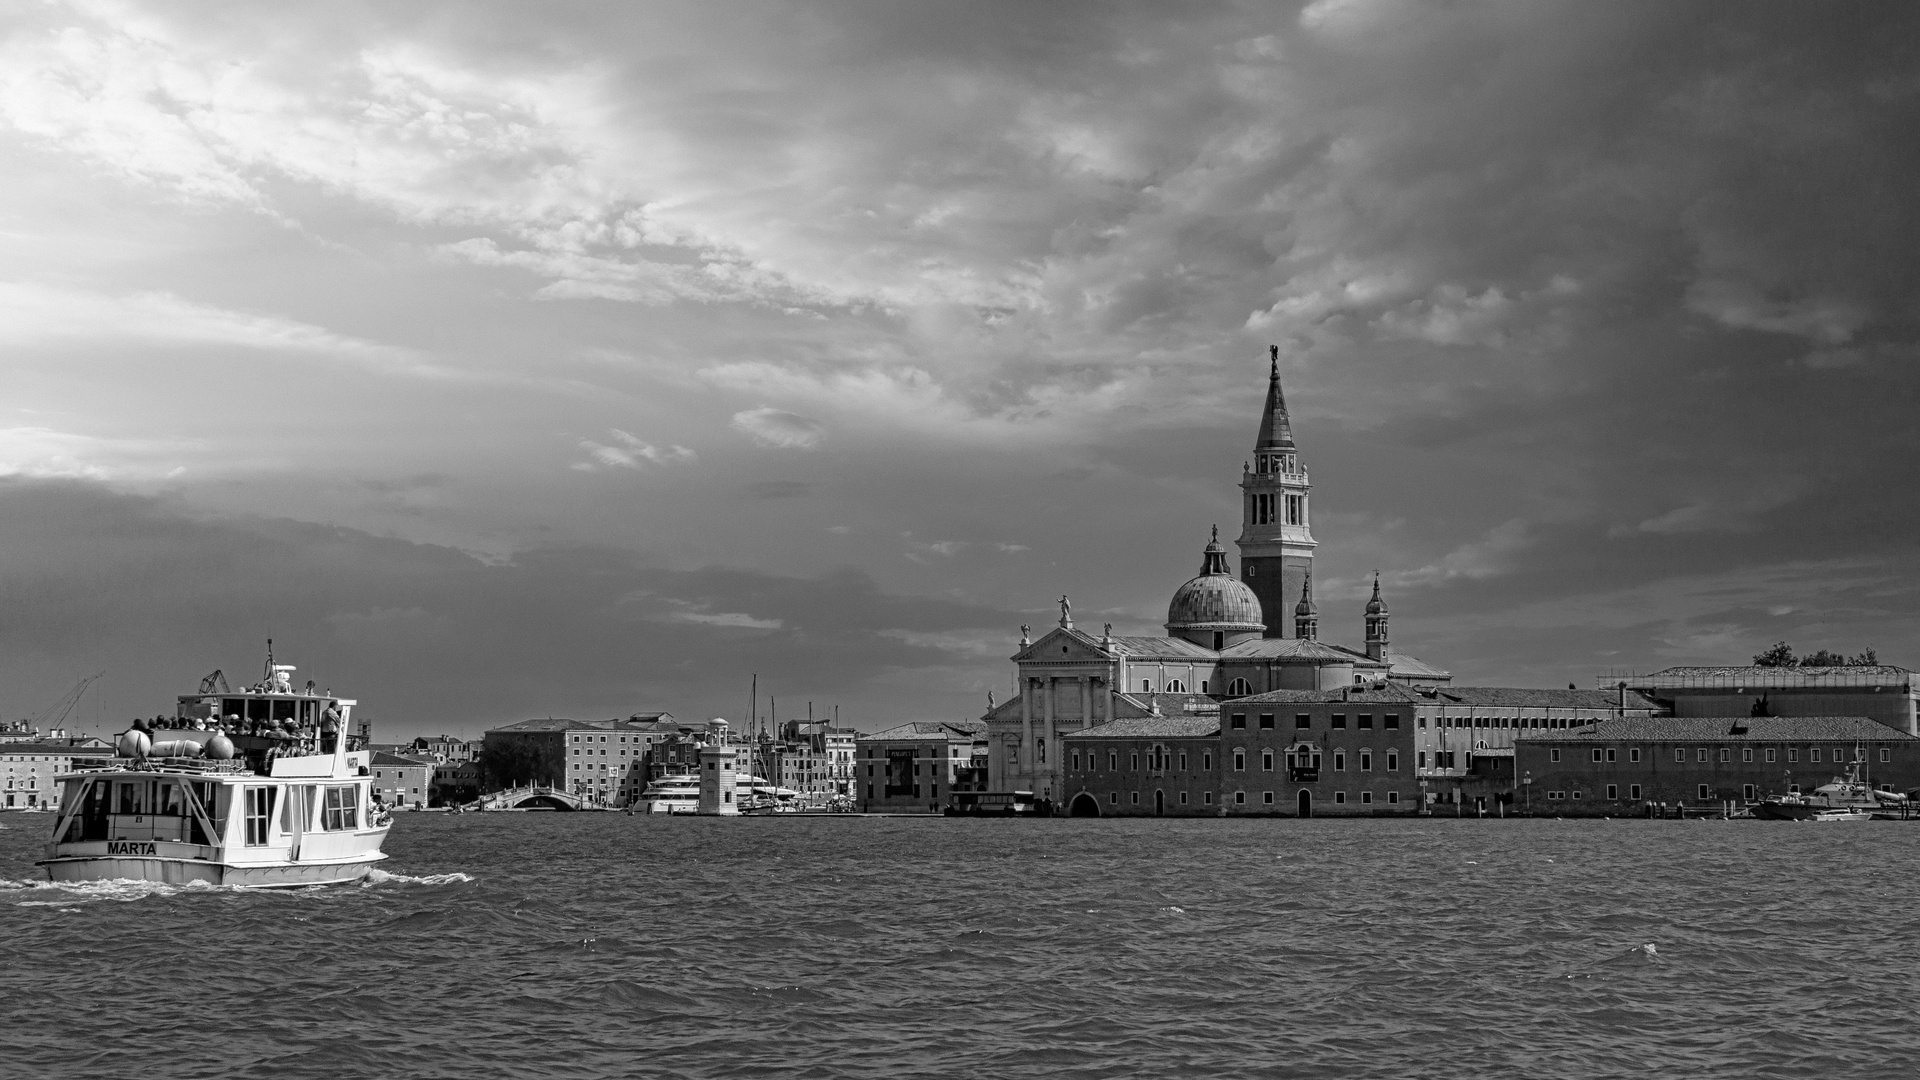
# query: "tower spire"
1306 622
1377 622
1214 560
1276 431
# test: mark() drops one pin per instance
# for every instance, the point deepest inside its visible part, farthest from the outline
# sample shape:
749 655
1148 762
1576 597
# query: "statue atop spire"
1066 613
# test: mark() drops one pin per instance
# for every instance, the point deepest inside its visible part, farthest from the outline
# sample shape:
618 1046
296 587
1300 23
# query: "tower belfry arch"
1276 537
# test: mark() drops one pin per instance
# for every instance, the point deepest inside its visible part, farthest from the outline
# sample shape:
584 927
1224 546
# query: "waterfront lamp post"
1526 785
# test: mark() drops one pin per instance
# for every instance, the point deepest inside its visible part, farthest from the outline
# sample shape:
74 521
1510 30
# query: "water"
590 945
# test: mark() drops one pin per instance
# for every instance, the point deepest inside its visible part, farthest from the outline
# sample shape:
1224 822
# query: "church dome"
1216 600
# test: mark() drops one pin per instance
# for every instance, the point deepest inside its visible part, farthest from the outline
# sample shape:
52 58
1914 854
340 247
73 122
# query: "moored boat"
1846 798
256 788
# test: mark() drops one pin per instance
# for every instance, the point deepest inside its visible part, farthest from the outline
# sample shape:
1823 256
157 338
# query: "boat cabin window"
342 808
259 807
133 796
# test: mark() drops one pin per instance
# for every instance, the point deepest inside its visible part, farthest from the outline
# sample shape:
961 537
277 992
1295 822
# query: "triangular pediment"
1062 646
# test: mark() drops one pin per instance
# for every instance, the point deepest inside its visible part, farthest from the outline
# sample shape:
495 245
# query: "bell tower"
1276 544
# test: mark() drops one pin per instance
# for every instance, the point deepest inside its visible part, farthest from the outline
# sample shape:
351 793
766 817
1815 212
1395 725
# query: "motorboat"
260 788
1839 800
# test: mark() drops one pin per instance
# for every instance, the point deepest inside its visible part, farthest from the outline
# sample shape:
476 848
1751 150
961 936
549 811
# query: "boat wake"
69 893
387 877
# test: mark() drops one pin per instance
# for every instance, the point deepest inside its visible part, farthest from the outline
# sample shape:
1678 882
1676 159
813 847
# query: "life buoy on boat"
220 748
134 743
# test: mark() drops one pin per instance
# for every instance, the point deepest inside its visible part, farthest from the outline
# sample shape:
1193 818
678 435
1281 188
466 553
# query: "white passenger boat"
259 788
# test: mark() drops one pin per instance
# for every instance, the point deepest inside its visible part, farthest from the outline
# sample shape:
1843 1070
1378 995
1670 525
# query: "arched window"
1175 686
1239 688
1146 686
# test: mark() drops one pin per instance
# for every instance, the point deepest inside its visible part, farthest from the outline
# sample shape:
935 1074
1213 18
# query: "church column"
1086 702
1018 766
1046 709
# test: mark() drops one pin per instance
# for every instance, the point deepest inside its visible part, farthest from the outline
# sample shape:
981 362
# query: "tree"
1823 658
1865 659
1780 655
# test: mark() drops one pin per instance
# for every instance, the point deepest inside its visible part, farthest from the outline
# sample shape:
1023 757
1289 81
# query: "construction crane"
215 681
55 715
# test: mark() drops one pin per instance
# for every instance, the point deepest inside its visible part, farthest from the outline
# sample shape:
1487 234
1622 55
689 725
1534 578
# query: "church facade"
1227 637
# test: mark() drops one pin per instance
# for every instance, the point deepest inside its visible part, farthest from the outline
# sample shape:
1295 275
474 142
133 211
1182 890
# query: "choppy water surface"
604 945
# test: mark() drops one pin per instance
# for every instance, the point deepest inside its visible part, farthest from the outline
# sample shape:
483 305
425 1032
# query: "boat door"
1306 803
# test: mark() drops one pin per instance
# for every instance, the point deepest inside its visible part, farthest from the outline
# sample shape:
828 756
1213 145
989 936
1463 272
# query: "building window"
1239 721
1113 798
1746 792
1680 755
1340 760
1613 792
1610 753
1267 797
1596 753
1266 721
1239 761
1576 794
1633 791
1770 753
1296 509
1339 720
1420 723
1183 798
1553 754
1113 761
1239 798
1883 753
1723 754
1366 796
1135 798
1146 686
1240 687
1175 686
1813 754
1206 762
1302 721
1421 760
1183 761
1393 761
1339 796
1076 761
1365 720
1266 761
1703 792
1366 761
1793 753
1206 798
1391 722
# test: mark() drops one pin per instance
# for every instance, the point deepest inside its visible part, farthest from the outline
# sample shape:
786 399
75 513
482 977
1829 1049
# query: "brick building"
914 767
607 761
401 782
1621 767
1381 749
30 766
1888 694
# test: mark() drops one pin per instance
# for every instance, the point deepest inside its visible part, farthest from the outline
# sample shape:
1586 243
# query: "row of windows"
1705 792
1304 721
1240 798
622 738
1725 754
1159 759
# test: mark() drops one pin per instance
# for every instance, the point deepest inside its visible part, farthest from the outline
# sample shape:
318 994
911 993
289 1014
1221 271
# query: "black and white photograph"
912 539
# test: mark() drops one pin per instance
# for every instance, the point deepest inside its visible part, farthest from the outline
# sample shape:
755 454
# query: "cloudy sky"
508 360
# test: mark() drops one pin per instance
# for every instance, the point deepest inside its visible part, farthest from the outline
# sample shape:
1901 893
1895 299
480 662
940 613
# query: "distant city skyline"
503 362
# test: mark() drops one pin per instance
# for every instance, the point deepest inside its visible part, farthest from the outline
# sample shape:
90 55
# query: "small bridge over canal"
538 797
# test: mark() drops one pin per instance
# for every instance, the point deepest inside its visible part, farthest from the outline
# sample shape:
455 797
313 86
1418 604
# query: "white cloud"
44 453
733 619
1492 554
1011 548
777 428
33 314
1824 320
971 644
629 451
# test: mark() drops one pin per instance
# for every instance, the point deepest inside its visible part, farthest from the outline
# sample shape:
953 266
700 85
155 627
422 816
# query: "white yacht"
256 788
679 793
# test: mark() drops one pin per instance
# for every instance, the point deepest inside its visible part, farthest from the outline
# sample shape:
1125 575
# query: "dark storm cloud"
431 638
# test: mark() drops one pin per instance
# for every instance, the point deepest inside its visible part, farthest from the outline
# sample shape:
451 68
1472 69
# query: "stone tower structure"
1276 543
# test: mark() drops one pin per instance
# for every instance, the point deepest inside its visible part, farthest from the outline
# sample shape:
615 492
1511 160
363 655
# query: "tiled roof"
1727 729
381 757
965 730
59 749
1171 704
1163 727
1156 647
562 724
1886 671
1293 649
1389 694
1413 667
1530 698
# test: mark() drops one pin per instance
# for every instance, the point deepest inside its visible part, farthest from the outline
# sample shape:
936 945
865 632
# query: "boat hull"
188 871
